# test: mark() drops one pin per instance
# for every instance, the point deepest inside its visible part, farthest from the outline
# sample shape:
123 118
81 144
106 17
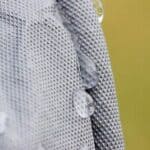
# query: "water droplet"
3 120
99 9
88 71
83 103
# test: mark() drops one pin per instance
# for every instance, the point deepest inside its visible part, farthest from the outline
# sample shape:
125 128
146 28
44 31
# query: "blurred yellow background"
127 30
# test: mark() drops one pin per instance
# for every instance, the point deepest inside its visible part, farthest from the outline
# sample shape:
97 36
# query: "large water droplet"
3 120
88 71
83 103
99 9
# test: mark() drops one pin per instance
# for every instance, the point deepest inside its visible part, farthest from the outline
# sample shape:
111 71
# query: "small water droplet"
88 71
3 120
98 5
83 103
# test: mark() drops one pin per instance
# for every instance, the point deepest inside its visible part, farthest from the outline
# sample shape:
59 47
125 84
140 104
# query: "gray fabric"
39 72
105 121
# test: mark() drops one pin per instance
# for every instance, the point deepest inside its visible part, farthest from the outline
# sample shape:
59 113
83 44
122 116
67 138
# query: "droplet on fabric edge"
88 71
83 103
98 5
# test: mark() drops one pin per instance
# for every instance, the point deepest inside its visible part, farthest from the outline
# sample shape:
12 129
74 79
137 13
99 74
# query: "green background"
127 30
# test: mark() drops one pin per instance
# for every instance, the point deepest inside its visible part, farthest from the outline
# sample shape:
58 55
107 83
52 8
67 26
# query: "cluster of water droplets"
83 102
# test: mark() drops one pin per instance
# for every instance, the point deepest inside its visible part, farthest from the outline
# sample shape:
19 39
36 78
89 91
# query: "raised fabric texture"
39 72
38 75
105 121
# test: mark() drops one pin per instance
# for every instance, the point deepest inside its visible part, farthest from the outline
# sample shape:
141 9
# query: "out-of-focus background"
127 30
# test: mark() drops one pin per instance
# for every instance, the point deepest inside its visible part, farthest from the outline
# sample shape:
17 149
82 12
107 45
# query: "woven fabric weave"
105 121
39 72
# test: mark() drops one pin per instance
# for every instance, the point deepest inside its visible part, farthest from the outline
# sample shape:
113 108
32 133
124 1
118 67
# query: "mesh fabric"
39 72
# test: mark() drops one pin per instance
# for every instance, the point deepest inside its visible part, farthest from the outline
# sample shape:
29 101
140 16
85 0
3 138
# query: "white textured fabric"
39 72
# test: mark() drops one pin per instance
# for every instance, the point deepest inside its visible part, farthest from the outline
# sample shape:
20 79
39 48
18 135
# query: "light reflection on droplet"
88 71
83 103
98 5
